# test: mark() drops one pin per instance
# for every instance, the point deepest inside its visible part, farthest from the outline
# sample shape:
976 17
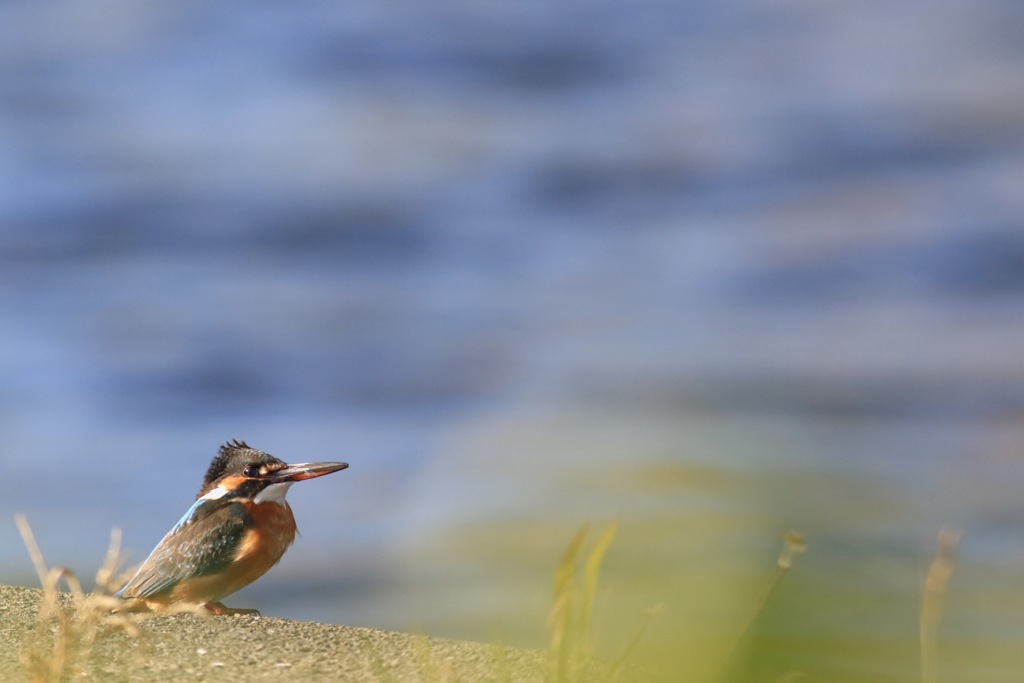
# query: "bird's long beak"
305 470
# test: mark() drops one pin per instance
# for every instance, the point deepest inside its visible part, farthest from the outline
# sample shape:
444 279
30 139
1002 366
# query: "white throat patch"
273 493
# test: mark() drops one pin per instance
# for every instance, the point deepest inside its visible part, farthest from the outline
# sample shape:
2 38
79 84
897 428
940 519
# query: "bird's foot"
218 608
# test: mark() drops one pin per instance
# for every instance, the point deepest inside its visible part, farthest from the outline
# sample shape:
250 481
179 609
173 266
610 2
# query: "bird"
238 528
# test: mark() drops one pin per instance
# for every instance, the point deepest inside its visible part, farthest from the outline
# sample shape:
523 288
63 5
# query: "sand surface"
203 648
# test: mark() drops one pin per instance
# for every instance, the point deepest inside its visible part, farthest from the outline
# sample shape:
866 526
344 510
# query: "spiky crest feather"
232 456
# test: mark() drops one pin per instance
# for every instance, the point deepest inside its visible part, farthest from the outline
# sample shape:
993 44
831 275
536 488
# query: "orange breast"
272 531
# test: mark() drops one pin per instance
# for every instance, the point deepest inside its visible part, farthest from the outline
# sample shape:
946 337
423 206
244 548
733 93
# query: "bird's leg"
218 608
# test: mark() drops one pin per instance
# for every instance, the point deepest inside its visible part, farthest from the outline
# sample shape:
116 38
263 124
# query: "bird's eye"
251 471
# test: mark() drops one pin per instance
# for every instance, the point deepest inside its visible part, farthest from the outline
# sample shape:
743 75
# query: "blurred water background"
713 270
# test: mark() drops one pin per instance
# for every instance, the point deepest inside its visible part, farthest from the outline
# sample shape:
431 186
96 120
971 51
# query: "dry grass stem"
61 644
935 583
794 544
571 648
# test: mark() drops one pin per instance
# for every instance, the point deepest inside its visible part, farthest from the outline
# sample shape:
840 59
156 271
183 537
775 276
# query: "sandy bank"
197 648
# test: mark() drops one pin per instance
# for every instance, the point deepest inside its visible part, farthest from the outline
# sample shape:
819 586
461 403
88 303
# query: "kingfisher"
238 528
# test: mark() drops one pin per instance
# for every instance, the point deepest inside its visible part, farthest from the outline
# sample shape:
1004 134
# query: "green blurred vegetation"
849 610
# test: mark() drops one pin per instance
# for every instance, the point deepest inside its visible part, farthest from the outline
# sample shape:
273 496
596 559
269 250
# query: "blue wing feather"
204 541
199 509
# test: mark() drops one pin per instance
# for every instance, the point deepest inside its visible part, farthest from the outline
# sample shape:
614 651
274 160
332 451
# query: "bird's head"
240 472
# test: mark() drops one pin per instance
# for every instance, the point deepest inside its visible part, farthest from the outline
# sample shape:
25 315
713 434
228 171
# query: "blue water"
475 249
